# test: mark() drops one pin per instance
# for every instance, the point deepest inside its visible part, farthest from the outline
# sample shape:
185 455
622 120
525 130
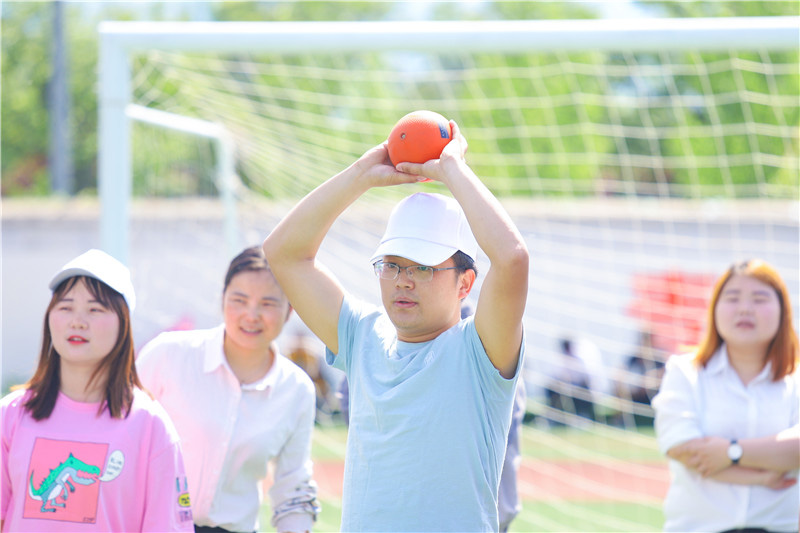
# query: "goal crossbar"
470 36
119 41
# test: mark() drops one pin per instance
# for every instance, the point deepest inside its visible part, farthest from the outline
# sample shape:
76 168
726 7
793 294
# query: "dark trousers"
208 529
748 530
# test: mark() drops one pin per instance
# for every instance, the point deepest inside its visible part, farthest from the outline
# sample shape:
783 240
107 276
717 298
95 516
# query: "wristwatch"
734 452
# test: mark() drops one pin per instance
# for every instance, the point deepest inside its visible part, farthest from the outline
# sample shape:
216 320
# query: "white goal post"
119 40
637 157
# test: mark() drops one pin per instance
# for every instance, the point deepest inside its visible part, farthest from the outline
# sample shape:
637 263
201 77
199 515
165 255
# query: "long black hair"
119 365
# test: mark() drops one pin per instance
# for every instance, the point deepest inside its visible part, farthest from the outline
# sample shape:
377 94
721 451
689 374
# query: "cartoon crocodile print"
58 480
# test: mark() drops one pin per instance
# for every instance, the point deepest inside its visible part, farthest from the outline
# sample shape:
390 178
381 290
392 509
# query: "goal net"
638 164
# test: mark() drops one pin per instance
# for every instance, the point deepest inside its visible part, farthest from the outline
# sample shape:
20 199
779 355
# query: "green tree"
23 114
318 10
26 72
725 8
26 69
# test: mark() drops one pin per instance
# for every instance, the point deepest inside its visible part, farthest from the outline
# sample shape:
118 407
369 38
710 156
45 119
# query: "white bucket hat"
427 228
101 266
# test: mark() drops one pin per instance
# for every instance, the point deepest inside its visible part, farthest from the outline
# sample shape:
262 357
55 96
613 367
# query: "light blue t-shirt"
428 427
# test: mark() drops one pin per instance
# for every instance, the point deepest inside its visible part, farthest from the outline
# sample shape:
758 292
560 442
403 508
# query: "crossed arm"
765 460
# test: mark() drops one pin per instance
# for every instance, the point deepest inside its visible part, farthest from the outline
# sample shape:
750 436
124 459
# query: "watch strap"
737 455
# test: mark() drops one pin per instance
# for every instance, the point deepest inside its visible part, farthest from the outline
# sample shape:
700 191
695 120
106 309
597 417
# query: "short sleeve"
7 436
492 381
677 417
167 501
350 316
148 364
12 411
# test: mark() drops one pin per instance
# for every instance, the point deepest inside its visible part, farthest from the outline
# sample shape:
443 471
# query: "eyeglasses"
414 272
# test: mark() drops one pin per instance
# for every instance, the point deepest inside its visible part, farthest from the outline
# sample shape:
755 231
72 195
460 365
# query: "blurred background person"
304 353
727 414
509 504
638 381
572 386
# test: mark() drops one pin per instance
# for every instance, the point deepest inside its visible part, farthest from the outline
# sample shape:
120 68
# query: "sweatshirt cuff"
295 522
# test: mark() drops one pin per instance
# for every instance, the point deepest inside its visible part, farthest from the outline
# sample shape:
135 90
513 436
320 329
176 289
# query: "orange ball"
418 137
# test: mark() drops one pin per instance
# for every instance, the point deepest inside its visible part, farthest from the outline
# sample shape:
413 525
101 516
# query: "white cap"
427 229
101 266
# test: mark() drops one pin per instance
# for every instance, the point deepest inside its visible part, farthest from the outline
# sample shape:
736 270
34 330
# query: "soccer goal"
639 159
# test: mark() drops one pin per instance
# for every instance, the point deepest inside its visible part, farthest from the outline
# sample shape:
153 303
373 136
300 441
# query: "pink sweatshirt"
76 471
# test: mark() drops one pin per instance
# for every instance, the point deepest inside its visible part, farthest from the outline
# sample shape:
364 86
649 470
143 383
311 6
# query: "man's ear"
465 283
288 314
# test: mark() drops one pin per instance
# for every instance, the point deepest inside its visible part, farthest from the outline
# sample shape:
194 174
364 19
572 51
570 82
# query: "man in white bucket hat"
430 394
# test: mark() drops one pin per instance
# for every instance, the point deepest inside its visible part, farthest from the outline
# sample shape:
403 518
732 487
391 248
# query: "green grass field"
600 445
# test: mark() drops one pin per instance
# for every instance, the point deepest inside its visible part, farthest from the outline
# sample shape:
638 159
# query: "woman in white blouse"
727 414
238 404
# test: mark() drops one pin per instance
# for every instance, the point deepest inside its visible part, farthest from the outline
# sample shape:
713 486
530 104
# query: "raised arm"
291 248
501 304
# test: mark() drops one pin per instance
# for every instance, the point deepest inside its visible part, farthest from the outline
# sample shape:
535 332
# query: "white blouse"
712 401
